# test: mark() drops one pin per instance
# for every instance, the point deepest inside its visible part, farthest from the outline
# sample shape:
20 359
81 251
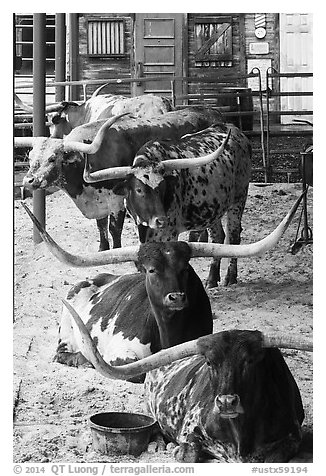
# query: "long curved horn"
24 141
243 251
178 164
166 356
23 105
116 255
28 108
71 146
105 174
96 92
287 341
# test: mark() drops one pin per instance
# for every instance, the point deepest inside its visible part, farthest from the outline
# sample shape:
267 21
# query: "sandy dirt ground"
52 402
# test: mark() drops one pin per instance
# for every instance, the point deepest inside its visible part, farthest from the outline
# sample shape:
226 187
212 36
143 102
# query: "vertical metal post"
262 132
73 54
39 128
60 54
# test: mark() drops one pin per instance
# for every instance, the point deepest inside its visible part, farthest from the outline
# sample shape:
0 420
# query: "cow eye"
151 270
138 190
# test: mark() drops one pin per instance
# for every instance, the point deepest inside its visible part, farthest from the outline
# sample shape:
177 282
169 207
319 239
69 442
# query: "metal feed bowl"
121 432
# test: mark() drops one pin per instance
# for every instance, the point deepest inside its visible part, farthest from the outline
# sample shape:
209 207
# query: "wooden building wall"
106 67
245 49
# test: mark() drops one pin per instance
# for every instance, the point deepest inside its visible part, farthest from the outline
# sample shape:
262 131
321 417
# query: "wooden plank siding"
106 67
243 34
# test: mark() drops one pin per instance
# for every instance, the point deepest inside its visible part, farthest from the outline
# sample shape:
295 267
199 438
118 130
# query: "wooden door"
296 56
158 50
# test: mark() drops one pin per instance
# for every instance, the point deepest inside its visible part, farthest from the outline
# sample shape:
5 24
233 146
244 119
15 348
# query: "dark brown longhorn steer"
61 162
171 191
135 315
231 397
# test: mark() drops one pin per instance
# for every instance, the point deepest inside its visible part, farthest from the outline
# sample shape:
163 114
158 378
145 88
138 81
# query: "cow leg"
283 451
217 236
102 225
67 351
234 229
116 226
72 359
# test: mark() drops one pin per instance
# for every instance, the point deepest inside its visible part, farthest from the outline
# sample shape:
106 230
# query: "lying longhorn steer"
114 143
171 190
230 397
135 315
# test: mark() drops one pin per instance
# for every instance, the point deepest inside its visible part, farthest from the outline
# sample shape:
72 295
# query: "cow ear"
121 188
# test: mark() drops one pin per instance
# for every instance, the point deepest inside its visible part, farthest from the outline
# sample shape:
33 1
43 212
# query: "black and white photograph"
162 240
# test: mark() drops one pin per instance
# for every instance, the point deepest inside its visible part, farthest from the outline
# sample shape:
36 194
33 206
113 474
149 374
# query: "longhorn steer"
67 115
230 397
168 190
115 142
132 316
105 106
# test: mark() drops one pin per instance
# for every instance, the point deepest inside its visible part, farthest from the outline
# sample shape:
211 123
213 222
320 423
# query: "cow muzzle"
32 182
228 406
157 222
175 301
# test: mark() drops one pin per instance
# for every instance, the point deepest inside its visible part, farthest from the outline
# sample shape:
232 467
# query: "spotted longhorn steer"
170 192
132 316
114 143
227 396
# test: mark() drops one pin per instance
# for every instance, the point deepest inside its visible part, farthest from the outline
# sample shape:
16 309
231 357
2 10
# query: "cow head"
49 155
146 191
232 359
65 119
45 161
166 266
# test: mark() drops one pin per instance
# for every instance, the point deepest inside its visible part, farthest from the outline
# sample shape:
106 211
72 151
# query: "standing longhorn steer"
67 115
114 143
132 316
230 397
171 191
105 106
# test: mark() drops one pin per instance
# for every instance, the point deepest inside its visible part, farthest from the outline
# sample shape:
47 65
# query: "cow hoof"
72 359
230 279
104 247
211 284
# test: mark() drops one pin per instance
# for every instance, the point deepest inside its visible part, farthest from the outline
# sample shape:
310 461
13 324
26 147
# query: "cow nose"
159 222
176 300
31 182
228 400
228 406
